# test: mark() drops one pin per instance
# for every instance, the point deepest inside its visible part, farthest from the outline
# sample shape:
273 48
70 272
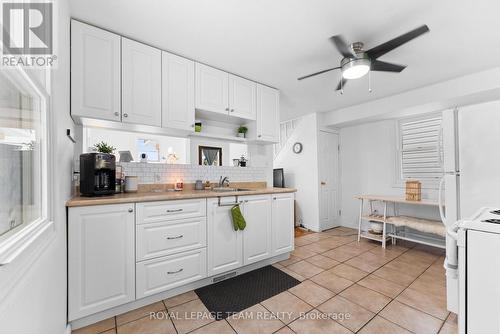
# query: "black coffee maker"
97 174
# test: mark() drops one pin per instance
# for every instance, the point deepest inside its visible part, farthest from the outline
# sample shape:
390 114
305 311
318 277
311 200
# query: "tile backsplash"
149 173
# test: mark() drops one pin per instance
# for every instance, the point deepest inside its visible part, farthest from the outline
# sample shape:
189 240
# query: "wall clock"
297 148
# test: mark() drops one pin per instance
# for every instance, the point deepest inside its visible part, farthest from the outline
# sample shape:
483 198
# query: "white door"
283 223
177 92
141 83
101 259
95 72
224 244
257 211
211 89
328 157
267 113
242 97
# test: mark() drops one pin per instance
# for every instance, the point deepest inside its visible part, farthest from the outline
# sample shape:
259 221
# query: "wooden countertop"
168 196
394 199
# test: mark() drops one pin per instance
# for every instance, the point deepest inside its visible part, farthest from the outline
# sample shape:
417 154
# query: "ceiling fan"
357 62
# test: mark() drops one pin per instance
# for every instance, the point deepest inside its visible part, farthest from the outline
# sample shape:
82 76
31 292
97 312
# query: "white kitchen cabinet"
283 223
225 245
101 258
211 89
267 114
177 92
141 83
95 72
257 234
242 97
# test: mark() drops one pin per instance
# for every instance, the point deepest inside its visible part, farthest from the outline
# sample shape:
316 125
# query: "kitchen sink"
227 189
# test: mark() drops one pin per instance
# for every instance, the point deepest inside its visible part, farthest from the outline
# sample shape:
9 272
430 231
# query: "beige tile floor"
347 287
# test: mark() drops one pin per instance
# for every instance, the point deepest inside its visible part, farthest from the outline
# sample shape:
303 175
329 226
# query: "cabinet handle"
174 272
176 210
125 115
130 210
177 237
232 110
259 136
117 113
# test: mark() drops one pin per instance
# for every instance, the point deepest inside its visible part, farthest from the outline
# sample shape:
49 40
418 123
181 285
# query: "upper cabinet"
242 94
177 92
268 105
211 89
141 83
220 92
95 72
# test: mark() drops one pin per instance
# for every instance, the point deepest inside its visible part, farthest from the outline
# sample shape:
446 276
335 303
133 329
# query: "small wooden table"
385 219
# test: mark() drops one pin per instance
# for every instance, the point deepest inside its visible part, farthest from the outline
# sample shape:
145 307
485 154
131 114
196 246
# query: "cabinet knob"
125 115
130 210
323 183
227 109
274 198
232 110
259 136
117 113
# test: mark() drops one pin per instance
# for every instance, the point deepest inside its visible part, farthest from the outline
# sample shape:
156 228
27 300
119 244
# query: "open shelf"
375 237
218 136
375 218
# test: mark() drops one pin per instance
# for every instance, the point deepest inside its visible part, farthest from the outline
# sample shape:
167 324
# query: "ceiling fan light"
355 69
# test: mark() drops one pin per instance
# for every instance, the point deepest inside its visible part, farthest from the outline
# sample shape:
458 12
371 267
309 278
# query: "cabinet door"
211 89
141 83
267 113
283 223
177 92
95 72
224 243
101 260
242 95
257 234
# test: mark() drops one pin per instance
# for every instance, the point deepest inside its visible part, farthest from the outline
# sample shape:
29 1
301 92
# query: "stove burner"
494 221
495 212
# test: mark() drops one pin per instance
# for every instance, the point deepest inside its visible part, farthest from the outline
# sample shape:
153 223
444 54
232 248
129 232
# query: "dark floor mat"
238 293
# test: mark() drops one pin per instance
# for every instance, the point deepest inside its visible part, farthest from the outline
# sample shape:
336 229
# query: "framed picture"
209 156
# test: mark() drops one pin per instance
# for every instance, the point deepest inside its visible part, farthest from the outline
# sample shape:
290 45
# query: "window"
22 154
420 149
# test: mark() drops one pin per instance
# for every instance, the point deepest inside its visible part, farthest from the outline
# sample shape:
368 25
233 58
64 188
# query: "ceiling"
276 41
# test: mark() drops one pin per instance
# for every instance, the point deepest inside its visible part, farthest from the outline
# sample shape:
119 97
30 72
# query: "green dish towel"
239 222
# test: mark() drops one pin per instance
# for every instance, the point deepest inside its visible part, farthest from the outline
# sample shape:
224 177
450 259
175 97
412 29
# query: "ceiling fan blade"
341 84
382 49
382 66
342 46
317 73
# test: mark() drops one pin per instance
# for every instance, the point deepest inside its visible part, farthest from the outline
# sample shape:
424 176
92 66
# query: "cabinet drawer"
157 275
168 237
169 210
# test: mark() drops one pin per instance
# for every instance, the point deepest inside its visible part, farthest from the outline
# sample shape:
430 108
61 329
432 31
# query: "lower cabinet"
283 223
257 234
101 258
157 275
225 245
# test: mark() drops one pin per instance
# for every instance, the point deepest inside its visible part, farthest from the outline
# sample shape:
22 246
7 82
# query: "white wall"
37 304
127 141
301 171
368 166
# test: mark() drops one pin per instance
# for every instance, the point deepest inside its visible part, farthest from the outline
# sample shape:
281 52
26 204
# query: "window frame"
21 245
399 181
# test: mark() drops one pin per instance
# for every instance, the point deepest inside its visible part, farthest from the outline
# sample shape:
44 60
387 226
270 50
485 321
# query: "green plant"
103 147
242 129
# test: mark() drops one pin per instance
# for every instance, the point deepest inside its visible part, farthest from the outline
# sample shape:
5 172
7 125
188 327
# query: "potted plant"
242 130
103 147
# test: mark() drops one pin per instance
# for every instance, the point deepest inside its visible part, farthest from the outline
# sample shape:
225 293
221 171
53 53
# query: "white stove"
477 249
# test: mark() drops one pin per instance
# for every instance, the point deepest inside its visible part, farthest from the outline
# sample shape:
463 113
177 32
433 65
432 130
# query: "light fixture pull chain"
370 81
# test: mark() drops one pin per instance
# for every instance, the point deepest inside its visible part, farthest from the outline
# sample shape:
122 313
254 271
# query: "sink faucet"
223 181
